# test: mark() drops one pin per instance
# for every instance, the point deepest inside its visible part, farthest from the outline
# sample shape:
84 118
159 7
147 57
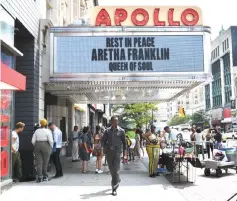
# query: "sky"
216 13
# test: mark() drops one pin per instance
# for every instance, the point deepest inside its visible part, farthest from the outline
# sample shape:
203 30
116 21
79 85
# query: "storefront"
227 121
10 80
80 115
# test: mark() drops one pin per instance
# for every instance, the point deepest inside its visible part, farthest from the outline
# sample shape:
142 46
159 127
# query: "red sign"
149 16
4 136
227 113
5 99
4 163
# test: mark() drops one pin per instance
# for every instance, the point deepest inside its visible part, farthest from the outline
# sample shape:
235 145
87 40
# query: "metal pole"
152 118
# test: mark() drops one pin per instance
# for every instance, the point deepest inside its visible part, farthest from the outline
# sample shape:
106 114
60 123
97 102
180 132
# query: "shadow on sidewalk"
97 194
133 174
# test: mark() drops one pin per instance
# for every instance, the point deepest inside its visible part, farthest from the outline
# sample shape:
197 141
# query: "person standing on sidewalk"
153 150
57 136
16 158
42 141
75 142
85 149
97 149
115 139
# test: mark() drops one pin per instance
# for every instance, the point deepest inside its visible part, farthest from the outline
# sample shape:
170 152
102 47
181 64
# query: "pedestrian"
132 150
199 143
42 141
57 137
74 139
209 143
85 149
90 136
218 138
97 149
137 148
115 139
139 132
153 151
16 158
172 134
128 142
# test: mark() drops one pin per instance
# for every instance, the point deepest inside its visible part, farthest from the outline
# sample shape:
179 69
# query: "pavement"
135 185
76 186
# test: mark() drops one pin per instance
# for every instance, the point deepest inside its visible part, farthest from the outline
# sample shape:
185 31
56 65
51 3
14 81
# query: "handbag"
90 150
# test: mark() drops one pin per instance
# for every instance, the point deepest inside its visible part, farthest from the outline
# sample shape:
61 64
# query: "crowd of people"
114 142
47 143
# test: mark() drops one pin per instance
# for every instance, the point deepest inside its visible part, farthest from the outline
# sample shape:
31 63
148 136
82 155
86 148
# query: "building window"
216 84
207 97
227 77
7 57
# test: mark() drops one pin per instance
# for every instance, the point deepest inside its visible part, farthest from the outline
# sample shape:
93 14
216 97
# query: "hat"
43 122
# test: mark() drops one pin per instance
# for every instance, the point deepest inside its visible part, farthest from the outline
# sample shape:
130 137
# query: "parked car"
231 133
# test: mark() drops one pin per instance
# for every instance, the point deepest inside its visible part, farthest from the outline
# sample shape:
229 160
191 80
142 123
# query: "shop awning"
11 79
226 120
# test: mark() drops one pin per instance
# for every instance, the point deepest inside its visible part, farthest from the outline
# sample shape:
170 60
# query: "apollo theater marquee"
126 52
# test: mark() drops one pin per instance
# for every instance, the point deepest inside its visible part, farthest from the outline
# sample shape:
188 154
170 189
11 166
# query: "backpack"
128 141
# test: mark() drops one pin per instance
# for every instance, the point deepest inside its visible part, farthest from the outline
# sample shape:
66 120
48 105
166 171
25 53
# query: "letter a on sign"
103 18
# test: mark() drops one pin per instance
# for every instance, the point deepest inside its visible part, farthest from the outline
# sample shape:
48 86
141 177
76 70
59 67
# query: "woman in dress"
85 149
97 149
137 148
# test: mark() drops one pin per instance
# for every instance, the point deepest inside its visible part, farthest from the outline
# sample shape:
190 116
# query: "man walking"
115 141
57 136
75 141
16 158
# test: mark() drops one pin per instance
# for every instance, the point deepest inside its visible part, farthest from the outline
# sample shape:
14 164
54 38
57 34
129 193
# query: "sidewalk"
74 186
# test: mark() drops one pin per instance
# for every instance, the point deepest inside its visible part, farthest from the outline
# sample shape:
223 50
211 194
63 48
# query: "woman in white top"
43 144
199 143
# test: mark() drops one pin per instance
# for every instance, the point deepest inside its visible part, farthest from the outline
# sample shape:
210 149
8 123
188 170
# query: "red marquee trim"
12 77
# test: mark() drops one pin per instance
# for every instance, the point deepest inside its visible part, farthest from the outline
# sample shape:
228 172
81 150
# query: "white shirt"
58 137
198 137
42 135
16 143
172 135
133 143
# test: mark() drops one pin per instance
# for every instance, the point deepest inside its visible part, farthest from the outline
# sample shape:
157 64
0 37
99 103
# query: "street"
135 185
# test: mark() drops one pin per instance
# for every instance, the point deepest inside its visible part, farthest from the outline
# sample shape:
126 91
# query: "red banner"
4 136
227 113
4 163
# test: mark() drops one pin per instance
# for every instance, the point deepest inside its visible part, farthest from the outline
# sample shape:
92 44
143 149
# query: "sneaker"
100 172
96 171
45 178
39 180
